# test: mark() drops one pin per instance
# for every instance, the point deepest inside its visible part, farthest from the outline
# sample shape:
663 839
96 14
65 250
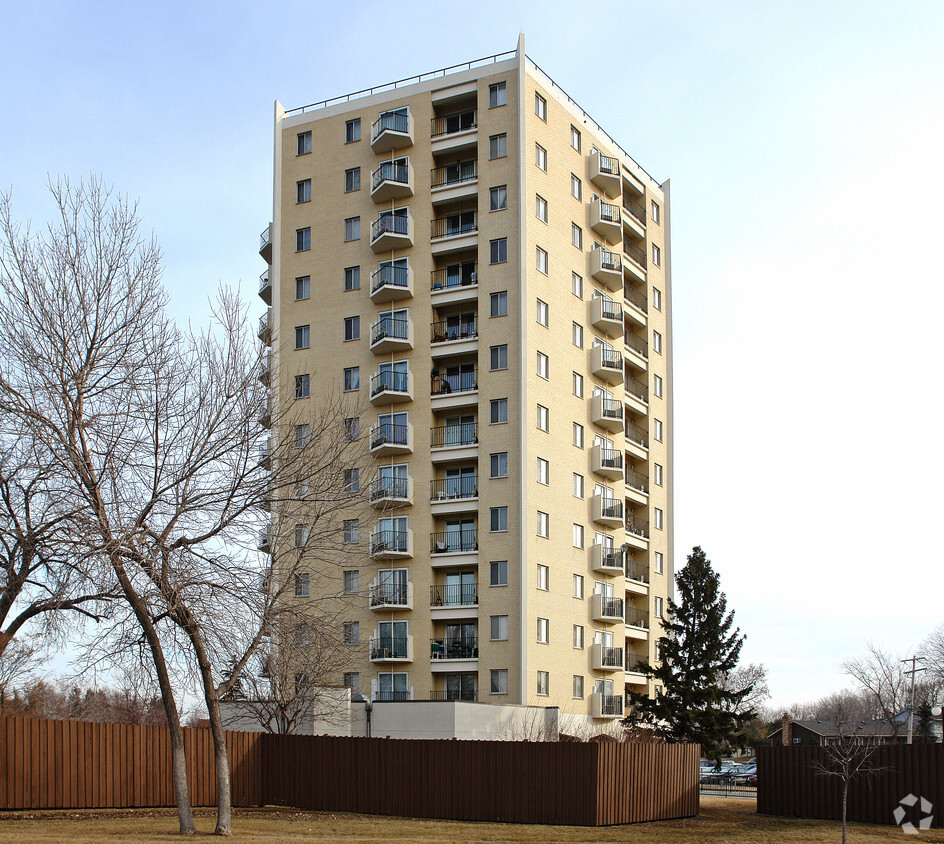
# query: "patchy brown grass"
726 821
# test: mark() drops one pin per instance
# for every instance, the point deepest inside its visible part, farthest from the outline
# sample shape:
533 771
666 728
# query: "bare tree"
881 675
17 663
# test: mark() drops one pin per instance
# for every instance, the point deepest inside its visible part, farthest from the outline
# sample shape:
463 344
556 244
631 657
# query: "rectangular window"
304 143
578 586
352 480
540 208
302 287
540 260
657 430
352 680
657 386
498 251
543 525
657 519
578 485
498 519
352 130
352 229
352 328
498 681
542 366
498 573
578 435
499 628
498 303
352 278
542 577
542 312
352 632
499 465
578 385
497 95
303 191
657 342
657 298
302 240
543 631
498 198
576 285
655 212
352 428
351 582
498 358
497 146
301 585
578 636
542 418
352 530
352 179
543 471
540 107
657 474
660 563
576 187
577 335
352 379
302 435
576 235
578 687
540 157
302 386
578 536
656 255
499 411
543 684
658 606
575 138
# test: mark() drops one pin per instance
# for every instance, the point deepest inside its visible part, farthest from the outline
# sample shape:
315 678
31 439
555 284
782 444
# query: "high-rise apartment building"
473 259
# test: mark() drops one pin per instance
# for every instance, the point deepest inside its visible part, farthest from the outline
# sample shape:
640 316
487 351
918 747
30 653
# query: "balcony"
631 184
606 267
265 328
391 231
607 462
454 495
637 441
605 220
454 442
391 335
454 595
265 415
265 244
454 181
633 668
391 283
637 351
606 706
454 694
390 596
607 364
391 649
392 130
389 387
459 541
639 305
605 173
455 283
459 648
606 560
607 413
265 453
637 577
388 440
265 288
634 219
605 510
637 622
454 232
606 316
454 131
391 544
265 541
606 609
454 389
635 263
636 396
637 486
391 180
386 491
264 375
637 531
606 658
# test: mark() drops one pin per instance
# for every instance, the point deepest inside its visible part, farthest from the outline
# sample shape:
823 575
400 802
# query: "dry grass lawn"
726 821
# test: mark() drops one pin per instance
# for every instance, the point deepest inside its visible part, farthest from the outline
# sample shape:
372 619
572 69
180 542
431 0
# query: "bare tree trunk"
845 793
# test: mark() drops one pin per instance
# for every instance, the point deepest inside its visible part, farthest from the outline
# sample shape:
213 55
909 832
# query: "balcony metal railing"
637 344
608 212
389 647
608 164
393 223
388 594
640 436
637 571
389 276
389 540
385 695
611 359
611 704
389 381
263 326
263 281
611 607
452 124
265 370
635 209
611 508
611 657
454 174
465 540
390 171
634 253
448 436
636 388
633 660
458 382
386 433
463 486
264 238
609 260
611 408
461 647
455 224
610 309
454 595
398 329
394 121
444 332
636 297
611 558
636 617
454 694
637 526
610 458
457 275
637 480
386 488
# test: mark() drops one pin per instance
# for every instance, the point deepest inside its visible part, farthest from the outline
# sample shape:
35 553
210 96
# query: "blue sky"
803 141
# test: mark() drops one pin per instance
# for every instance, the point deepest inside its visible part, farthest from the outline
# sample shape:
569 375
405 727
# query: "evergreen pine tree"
697 654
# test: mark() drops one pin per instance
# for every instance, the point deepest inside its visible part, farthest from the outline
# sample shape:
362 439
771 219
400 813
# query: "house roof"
858 728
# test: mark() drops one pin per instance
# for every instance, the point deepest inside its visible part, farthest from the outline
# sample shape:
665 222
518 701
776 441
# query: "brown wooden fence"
788 783
73 764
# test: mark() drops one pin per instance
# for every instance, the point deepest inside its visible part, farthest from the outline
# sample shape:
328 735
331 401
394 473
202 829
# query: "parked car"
715 774
745 775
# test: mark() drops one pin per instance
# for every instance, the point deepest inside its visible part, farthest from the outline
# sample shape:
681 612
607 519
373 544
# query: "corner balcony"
635 263
265 328
607 413
383 597
454 181
606 658
606 364
265 541
265 288
606 511
265 453
605 221
606 560
389 440
388 387
265 415
454 495
452 338
637 531
391 180
264 375
637 351
454 442
605 173
391 335
634 219
392 130
637 487
445 653
265 244
390 492
637 623
391 284
452 390
454 233
607 462
606 267
391 231
455 131
391 649
606 706
606 609
391 544
606 315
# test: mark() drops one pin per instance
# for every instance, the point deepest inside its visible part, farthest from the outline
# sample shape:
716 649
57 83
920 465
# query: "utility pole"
914 670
